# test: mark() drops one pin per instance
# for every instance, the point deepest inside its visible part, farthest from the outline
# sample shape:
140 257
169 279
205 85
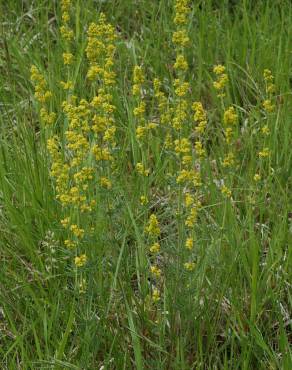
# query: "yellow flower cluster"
66 31
153 229
138 79
43 95
269 107
200 117
230 119
80 260
180 38
264 153
67 58
181 12
164 114
100 51
141 169
226 191
269 80
180 63
221 80
89 138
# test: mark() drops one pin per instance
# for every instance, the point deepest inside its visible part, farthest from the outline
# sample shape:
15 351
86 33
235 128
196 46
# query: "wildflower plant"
159 184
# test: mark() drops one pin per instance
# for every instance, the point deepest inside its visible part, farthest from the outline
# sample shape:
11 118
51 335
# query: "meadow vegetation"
145 184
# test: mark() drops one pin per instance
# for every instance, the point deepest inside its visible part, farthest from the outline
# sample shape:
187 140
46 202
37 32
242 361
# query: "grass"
233 311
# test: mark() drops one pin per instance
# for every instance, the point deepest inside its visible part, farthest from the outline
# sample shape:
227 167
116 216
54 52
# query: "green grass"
234 310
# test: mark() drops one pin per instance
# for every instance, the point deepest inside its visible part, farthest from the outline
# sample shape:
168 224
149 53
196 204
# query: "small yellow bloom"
105 183
226 191
181 63
78 232
143 200
80 260
153 228
230 116
189 266
180 38
189 199
141 169
264 153
140 132
67 85
69 243
228 160
187 159
189 243
265 130
155 248
199 149
268 106
65 222
219 69
156 271
192 217
155 295
257 177
67 58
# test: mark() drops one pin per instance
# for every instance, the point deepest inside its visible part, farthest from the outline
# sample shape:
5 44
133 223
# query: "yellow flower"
228 134
199 149
140 109
139 77
257 177
189 243
105 182
265 130
155 248
69 243
268 106
181 87
264 153
200 117
182 146
46 117
155 295
219 69
181 63
189 199
140 132
180 38
228 160
80 260
78 232
187 159
181 11
143 200
141 169
155 271
189 266
66 33
221 80
65 222
153 228
192 217
230 116
67 58
226 191
67 85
